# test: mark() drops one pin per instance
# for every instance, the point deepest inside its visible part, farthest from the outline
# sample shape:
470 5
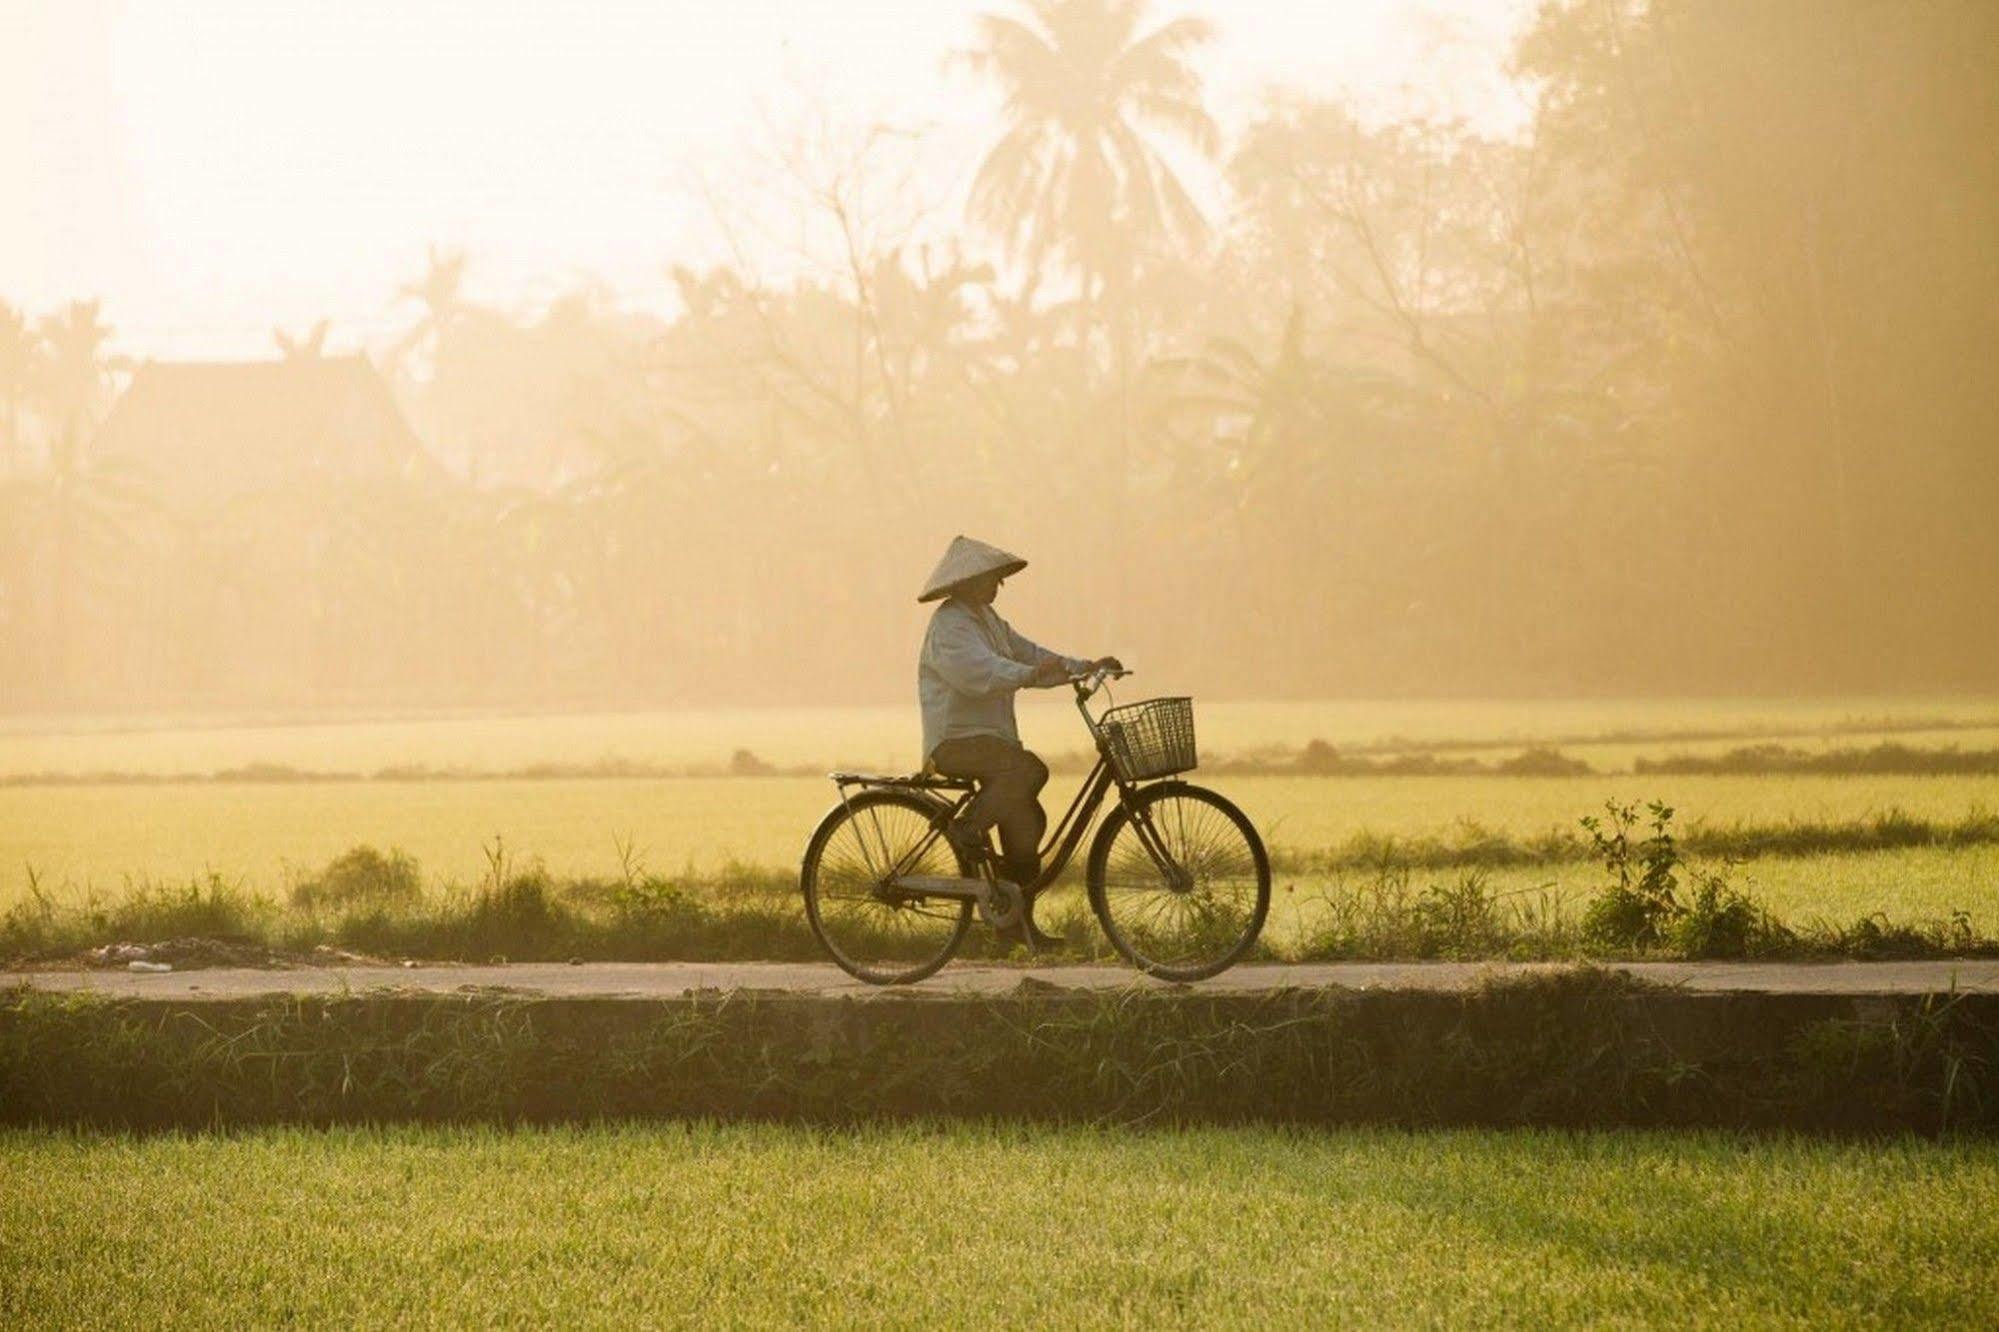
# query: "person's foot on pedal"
1033 935
969 846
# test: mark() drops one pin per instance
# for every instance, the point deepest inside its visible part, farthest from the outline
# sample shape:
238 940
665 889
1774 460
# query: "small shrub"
651 899
1633 911
362 878
1618 919
1643 907
1720 920
1458 920
520 907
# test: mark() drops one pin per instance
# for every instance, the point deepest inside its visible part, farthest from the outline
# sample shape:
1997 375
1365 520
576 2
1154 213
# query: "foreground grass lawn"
761 1225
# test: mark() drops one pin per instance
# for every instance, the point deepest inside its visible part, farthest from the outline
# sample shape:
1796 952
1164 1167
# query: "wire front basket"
1150 739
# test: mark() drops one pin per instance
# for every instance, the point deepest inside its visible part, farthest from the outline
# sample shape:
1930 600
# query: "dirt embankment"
1573 1047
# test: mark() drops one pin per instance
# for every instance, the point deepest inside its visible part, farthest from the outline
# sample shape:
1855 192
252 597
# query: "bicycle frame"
1067 834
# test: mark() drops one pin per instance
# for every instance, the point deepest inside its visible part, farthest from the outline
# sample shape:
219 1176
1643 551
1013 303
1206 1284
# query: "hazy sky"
216 167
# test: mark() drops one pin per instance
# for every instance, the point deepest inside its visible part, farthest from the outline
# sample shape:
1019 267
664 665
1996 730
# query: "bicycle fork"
1178 878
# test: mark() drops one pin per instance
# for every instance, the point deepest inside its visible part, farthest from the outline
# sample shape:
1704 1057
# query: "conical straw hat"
965 559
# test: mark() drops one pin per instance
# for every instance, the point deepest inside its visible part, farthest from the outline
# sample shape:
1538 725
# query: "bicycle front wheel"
876 932
1180 881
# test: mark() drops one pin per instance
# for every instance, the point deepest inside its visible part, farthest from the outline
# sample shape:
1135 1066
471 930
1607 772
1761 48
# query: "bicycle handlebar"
1095 680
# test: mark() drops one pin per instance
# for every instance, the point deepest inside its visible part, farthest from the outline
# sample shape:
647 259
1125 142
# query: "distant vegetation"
1316 759
1319 759
1776 760
1687 388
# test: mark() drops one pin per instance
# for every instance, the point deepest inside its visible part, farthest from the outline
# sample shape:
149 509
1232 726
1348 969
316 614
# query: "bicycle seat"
923 781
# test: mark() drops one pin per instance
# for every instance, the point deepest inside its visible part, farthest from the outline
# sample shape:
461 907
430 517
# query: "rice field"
886 737
99 837
85 838
750 1225
1909 886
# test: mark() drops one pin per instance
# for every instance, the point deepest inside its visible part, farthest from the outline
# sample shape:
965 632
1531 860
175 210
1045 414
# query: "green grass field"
763 1226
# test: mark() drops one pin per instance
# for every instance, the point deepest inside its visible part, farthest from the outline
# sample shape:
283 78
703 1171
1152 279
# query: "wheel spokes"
871 927
1200 905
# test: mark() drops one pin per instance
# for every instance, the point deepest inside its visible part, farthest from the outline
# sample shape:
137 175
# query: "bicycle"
1177 875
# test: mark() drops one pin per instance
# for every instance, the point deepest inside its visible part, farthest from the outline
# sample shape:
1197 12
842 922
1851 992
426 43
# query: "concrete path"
671 979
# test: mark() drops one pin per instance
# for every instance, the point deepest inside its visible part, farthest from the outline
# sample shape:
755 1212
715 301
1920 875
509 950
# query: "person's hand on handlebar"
1054 671
1049 671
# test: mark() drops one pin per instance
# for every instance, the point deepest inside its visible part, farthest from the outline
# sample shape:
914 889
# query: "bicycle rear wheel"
1197 913
876 932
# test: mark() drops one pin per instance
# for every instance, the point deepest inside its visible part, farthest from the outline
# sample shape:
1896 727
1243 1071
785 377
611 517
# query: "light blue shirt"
971 664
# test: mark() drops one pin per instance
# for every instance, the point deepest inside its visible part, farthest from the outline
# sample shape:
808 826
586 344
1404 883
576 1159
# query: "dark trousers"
1009 779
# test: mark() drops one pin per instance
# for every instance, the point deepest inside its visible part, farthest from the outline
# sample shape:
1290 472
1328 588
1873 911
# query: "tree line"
1688 387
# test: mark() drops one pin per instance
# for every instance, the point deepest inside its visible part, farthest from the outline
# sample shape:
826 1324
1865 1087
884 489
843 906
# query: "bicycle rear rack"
918 781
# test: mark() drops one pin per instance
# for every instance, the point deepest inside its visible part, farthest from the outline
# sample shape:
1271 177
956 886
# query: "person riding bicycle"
971 664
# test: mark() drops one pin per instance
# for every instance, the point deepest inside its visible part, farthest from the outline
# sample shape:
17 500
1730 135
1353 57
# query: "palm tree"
77 372
1074 177
441 292
20 357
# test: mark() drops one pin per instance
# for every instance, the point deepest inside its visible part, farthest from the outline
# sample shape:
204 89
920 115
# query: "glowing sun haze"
213 168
